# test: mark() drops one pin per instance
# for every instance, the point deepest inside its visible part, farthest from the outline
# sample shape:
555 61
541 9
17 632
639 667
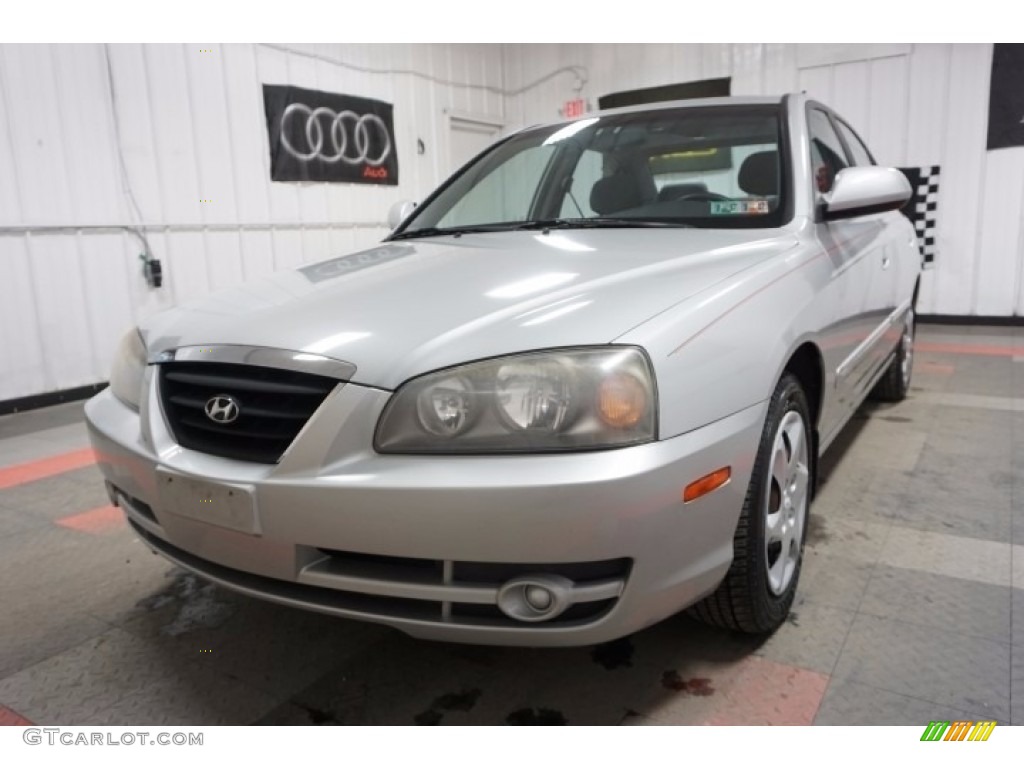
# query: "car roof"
717 101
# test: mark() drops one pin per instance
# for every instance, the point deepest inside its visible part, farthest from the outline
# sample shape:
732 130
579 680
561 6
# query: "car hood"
407 307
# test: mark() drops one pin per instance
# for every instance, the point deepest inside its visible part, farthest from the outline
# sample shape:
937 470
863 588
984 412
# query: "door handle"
886 261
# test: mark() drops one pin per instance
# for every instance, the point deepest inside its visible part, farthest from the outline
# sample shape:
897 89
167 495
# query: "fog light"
535 598
538 598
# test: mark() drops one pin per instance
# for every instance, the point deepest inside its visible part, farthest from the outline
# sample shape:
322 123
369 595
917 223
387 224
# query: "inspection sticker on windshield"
738 207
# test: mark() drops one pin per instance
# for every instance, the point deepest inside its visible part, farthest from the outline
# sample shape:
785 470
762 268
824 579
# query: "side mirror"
399 212
866 190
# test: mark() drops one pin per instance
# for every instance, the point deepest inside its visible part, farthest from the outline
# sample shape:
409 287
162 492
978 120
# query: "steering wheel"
708 196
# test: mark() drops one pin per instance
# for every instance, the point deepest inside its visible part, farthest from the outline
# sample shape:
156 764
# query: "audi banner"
1006 97
319 136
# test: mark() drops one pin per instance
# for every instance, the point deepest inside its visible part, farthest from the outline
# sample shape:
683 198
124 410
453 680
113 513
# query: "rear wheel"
758 590
895 382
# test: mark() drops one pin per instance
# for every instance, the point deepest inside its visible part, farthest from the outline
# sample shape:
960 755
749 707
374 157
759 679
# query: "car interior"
632 191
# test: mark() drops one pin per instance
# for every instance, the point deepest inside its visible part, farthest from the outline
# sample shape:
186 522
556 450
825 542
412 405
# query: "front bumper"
424 543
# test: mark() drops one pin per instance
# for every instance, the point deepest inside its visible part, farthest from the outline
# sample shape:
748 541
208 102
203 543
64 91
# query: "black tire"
895 382
744 601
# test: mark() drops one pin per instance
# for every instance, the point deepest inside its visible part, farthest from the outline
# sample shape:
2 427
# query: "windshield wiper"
453 231
542 224
599 222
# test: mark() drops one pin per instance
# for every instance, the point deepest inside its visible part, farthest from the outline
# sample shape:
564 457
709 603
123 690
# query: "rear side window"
860 153
827 155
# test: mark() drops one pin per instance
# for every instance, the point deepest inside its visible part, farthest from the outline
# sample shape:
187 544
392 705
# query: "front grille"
273 405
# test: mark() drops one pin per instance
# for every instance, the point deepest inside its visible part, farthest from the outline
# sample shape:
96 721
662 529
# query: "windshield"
716 167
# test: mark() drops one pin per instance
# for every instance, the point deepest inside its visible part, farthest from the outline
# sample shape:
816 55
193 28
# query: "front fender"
723 351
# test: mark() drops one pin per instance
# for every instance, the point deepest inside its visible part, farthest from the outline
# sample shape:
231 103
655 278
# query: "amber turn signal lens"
621 401
706 484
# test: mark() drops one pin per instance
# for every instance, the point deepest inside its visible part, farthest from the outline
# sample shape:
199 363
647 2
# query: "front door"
855 248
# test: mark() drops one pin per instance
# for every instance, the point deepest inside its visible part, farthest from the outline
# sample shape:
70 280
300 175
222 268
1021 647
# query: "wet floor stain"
157 601
816 531
613 655
539 716
197 601
321 716
463 701
695 686
458 702
430 717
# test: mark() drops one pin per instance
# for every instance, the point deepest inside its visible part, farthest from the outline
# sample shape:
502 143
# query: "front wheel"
759 588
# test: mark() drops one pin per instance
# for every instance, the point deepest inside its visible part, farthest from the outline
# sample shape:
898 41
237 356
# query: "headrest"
615 193
759 174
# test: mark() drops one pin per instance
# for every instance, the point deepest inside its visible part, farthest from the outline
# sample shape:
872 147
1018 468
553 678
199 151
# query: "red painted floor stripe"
927 366
750 690
99 520
969 349
30 471
765 692
10 717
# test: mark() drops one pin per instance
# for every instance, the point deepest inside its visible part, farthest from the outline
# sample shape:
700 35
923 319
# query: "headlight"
562 400
129 367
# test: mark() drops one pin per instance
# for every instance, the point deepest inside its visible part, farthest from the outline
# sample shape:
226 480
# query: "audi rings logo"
335 136
322 136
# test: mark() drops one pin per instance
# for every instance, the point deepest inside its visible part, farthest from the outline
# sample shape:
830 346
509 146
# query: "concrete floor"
909 606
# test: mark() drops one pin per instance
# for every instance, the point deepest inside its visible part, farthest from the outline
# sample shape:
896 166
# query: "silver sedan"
581 387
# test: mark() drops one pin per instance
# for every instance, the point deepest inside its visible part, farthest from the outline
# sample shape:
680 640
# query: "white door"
467 138
851 246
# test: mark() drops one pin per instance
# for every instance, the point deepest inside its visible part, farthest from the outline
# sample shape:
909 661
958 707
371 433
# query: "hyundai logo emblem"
222 409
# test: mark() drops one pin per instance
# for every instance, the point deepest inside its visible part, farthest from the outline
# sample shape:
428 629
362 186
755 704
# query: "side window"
860 153
827 155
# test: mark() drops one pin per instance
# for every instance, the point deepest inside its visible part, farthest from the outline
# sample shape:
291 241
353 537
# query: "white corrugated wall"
915 105
192 128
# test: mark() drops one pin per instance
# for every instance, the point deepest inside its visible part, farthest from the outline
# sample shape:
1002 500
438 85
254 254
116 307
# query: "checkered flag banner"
922 208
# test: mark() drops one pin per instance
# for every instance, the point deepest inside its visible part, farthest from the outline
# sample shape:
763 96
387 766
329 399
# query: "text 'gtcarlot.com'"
72 738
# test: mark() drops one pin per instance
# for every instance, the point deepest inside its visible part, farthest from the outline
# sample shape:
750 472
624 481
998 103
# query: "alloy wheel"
786 502
907 363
